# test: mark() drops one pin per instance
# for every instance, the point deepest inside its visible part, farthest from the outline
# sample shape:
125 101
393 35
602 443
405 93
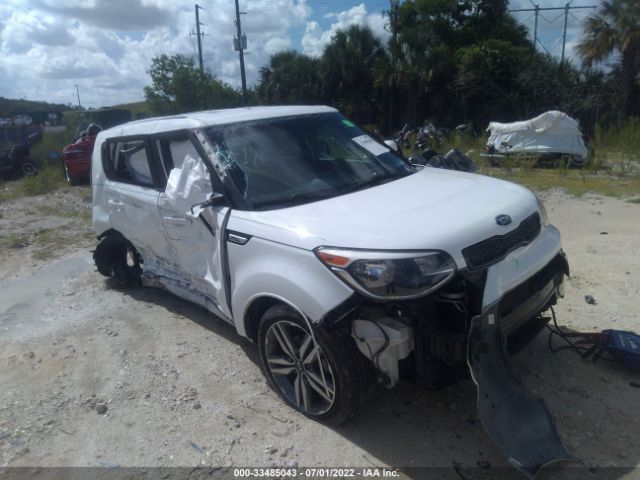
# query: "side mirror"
392 145
216 199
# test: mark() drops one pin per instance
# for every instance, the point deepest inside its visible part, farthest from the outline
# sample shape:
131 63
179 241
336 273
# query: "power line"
536 12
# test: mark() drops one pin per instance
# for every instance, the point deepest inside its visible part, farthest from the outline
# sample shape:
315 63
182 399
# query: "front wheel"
320 374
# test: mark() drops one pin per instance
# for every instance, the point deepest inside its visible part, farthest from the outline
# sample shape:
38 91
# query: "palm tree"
291 77
348 65
615 29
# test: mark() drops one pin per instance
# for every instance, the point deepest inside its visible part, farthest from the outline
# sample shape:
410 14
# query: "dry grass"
13 241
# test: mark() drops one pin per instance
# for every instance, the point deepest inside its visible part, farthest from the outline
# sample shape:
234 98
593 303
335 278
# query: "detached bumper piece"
517 421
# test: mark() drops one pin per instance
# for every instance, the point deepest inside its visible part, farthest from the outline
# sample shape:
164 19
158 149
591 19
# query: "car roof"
210 117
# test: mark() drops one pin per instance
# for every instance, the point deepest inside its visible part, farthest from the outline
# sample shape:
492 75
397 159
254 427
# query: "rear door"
131 193
194 233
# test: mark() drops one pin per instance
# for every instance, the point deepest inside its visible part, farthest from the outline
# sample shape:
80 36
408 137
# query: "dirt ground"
91 375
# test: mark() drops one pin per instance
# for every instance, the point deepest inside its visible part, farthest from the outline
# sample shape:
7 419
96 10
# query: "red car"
76 157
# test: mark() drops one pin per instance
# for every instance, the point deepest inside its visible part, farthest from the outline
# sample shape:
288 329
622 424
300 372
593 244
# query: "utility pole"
199 35
536 7
536 11
78 93
240 44
391 91
564 31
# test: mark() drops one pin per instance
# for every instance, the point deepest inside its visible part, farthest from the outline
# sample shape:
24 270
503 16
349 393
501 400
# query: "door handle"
113 201
176 219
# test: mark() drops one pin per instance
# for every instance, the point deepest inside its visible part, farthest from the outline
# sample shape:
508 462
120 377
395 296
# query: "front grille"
491 250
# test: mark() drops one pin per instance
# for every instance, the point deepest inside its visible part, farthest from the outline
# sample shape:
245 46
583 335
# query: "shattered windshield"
280 162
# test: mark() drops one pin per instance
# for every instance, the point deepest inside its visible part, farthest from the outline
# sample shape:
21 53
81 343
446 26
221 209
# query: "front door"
194 233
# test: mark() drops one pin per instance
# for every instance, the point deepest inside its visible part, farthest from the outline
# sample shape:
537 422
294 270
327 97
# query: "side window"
128 161
174 151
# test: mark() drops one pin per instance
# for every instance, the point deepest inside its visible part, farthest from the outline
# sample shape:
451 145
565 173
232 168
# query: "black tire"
353 377
116 257
576 161
28 168
73 181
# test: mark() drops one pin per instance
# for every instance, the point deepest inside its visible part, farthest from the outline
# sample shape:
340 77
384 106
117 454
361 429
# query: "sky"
105 47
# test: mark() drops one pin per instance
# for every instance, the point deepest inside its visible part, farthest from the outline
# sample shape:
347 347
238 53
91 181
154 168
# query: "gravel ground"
91 375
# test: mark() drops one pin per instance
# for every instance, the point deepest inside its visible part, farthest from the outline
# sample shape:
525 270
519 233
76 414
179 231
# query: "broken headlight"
390 275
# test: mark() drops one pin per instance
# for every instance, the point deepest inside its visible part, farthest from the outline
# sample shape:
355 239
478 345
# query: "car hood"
430 209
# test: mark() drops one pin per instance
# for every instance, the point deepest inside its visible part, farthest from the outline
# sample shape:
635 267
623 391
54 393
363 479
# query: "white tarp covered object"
551 132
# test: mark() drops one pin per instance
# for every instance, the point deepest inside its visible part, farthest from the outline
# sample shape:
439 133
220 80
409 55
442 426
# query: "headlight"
544 218
390 275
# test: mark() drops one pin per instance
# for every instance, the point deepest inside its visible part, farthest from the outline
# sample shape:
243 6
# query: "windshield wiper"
373 181
304 197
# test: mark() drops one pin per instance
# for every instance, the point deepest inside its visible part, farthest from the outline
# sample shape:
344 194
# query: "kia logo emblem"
503 220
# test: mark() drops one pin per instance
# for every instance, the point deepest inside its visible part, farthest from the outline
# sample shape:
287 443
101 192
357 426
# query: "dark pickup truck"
15 160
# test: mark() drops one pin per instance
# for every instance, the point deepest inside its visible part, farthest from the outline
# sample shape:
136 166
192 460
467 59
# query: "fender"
294 276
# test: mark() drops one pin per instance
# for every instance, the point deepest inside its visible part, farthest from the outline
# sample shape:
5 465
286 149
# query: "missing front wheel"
116 257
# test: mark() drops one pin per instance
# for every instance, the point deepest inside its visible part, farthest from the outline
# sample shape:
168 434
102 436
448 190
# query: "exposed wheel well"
255 312
112 232
115 256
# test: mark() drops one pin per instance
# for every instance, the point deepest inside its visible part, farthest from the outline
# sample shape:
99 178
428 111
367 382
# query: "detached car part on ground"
551 137
345 264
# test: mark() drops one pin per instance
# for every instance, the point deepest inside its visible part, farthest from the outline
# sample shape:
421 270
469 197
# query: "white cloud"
312 41
277 44
21 30
315 39
121 15
106 46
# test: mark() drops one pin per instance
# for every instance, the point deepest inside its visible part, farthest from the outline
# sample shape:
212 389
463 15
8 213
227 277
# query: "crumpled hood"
431 209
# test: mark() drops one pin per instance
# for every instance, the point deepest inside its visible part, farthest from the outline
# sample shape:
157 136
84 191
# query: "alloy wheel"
299 368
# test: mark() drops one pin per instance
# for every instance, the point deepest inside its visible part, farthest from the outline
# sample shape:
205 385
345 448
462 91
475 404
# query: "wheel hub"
299 368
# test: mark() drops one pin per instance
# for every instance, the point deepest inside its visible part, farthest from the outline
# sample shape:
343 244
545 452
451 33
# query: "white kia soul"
345 264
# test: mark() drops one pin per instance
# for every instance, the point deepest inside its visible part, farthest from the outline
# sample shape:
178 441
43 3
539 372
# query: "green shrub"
618 145
51 142
13 241
48 179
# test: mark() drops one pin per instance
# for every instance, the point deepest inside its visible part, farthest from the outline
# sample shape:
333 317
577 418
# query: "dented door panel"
193 233
130 209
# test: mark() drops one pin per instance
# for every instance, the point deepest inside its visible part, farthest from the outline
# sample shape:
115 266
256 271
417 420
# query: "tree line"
450 62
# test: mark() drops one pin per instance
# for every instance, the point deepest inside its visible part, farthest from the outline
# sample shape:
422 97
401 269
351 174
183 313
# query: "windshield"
280 162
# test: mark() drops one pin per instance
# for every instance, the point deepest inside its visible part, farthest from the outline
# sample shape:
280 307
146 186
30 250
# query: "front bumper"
520 265
517 421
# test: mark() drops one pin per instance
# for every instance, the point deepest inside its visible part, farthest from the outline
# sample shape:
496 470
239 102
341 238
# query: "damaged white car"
345 265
